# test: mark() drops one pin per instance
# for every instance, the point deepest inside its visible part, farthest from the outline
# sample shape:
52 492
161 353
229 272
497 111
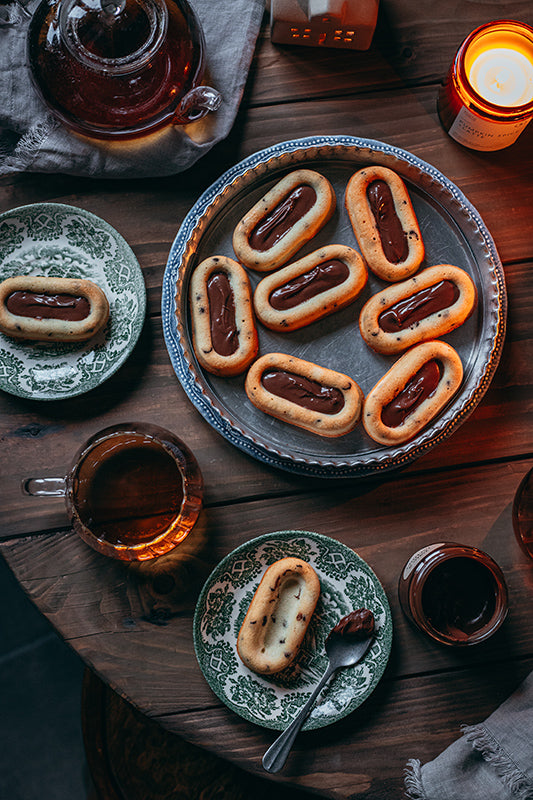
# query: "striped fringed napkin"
491 761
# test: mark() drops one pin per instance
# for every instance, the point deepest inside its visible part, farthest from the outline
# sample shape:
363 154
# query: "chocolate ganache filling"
303 391
282 218
393 238
421 386
321 278
357 625
418 306
48 306
224 334
459 597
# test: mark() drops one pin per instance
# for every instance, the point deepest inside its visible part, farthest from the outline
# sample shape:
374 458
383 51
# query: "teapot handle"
196 104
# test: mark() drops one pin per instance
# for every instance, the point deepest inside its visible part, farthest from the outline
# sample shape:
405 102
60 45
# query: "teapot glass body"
120 68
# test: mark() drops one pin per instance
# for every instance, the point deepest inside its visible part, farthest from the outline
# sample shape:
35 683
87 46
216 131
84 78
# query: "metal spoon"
342 651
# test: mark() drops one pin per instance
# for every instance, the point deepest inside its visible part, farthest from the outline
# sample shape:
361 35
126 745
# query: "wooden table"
138 639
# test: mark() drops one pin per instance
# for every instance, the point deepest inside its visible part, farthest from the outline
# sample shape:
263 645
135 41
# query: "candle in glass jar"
487 99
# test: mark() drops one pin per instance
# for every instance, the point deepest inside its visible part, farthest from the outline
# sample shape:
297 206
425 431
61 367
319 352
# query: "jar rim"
446 552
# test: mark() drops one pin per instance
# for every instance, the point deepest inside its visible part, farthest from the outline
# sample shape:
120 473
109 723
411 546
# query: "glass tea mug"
133 492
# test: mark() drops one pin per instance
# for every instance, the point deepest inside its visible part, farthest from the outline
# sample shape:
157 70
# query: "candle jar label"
473 131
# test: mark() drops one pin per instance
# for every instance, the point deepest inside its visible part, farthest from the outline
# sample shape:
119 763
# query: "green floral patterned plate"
67 242
347 583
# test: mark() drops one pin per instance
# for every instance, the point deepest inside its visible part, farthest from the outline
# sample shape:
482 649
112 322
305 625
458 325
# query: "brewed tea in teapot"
120 68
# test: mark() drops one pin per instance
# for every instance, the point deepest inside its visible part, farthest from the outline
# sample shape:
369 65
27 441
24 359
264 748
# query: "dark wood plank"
124 627
140 640
414 43
148 214
123 620
46 436
364 756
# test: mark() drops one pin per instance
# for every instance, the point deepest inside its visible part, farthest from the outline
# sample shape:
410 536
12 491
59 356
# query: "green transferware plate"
53 239
347 583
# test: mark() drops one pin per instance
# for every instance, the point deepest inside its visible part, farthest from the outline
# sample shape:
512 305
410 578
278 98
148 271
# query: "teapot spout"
196 104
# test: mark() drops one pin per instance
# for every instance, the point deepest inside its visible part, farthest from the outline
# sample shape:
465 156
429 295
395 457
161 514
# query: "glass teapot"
120 68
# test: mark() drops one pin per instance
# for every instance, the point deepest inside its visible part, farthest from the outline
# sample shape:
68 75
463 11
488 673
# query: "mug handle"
44 487
196 104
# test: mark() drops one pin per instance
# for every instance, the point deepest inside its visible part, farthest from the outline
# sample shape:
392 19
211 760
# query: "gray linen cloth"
491 761
32 140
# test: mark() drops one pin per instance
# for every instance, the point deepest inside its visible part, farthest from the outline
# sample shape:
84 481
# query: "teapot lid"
113 35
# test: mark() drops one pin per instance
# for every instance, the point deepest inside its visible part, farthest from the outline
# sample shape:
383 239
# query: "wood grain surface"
132 624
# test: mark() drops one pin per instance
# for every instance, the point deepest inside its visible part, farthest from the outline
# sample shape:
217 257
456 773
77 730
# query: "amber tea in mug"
134 491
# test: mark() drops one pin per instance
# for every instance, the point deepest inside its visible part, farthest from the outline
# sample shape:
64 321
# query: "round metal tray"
453 233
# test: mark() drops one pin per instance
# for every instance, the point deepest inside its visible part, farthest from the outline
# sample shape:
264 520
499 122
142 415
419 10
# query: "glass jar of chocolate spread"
454 593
